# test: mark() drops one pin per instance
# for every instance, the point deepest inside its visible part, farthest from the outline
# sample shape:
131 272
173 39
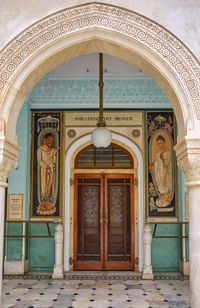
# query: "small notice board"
15 206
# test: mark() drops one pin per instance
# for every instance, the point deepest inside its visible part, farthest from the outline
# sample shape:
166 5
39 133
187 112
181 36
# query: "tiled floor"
95 293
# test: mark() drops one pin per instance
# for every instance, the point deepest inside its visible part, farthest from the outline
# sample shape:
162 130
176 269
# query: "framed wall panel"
161 170
46 165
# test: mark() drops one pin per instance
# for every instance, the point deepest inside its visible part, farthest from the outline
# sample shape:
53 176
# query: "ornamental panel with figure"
46 164
161 197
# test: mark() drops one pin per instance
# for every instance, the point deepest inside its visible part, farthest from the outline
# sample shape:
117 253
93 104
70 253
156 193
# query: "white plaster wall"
178 16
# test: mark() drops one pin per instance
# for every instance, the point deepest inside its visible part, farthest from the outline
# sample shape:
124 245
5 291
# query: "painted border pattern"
101 16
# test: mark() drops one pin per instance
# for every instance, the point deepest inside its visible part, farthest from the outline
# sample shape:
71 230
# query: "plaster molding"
188 159
98 16
8 159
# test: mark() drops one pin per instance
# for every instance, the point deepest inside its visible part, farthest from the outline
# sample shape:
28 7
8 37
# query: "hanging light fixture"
101 136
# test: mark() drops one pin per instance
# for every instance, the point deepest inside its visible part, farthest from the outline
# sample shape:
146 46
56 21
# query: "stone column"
2 213
58 267
188 159
8 160
147 272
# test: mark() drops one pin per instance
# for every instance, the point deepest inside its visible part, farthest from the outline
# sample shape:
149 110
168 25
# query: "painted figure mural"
161 170
46 165
161 175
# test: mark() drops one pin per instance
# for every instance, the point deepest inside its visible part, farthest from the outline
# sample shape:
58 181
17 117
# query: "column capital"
8 159
188 159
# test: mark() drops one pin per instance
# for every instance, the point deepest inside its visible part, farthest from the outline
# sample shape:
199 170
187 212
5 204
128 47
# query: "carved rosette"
109 18
8 159
188 160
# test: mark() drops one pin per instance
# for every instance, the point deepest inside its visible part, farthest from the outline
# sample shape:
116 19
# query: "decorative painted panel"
81 90
46 142
161 164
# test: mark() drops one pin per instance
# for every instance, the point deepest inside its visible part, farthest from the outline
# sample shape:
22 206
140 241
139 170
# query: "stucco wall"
178 16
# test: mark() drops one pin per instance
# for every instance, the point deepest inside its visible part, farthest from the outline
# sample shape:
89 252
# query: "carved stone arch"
109 29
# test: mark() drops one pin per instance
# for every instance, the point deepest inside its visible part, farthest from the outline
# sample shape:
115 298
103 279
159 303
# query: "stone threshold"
100 275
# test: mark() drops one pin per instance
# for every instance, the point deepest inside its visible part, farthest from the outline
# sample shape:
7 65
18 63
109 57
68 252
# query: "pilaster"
188 159
58 267
147 272
8 160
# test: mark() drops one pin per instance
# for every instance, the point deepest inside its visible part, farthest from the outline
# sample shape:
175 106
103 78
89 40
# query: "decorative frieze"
79 92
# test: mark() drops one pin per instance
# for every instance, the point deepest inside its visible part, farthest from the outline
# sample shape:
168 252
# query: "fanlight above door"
112 157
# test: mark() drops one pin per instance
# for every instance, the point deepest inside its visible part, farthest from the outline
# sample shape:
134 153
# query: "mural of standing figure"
46 158
161 170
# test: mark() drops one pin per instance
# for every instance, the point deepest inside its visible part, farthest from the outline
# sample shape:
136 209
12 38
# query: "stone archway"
140 192
106 28
129 36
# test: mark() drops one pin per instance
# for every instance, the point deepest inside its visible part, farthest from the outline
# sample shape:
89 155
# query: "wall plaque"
112 118
15 206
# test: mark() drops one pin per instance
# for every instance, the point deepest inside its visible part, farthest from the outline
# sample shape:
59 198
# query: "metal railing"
169 236
30 236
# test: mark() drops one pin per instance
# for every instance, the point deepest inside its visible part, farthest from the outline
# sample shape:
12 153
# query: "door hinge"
71 181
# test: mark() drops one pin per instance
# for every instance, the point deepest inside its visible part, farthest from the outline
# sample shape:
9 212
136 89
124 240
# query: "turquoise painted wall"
19 179
166 253
41 250
14 245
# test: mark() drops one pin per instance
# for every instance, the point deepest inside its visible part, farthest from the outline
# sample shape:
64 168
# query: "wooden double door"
104 222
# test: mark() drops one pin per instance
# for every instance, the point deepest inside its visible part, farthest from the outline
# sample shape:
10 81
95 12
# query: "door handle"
101 215
106 218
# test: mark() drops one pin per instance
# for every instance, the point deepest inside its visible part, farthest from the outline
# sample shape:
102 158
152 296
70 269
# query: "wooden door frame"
103 264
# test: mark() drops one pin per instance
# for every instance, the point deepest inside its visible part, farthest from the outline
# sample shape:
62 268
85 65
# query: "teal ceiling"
82 91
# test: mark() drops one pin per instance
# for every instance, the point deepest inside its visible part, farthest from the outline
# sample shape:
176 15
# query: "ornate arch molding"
167 47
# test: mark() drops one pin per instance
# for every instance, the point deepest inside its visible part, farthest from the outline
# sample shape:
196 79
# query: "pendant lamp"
101 136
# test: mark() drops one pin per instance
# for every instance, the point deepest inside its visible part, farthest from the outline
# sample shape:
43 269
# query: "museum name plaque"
112 118
15 206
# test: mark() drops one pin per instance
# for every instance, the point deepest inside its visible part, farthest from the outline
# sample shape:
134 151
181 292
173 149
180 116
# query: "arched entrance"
127 35
104 209
137 200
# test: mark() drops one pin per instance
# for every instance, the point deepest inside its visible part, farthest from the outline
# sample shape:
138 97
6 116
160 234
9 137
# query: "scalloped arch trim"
100 16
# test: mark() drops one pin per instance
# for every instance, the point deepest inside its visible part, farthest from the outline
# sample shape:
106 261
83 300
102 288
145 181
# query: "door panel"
119 227
103 233
88 237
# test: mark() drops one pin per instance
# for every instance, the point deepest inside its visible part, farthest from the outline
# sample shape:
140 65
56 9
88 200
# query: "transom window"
112 157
